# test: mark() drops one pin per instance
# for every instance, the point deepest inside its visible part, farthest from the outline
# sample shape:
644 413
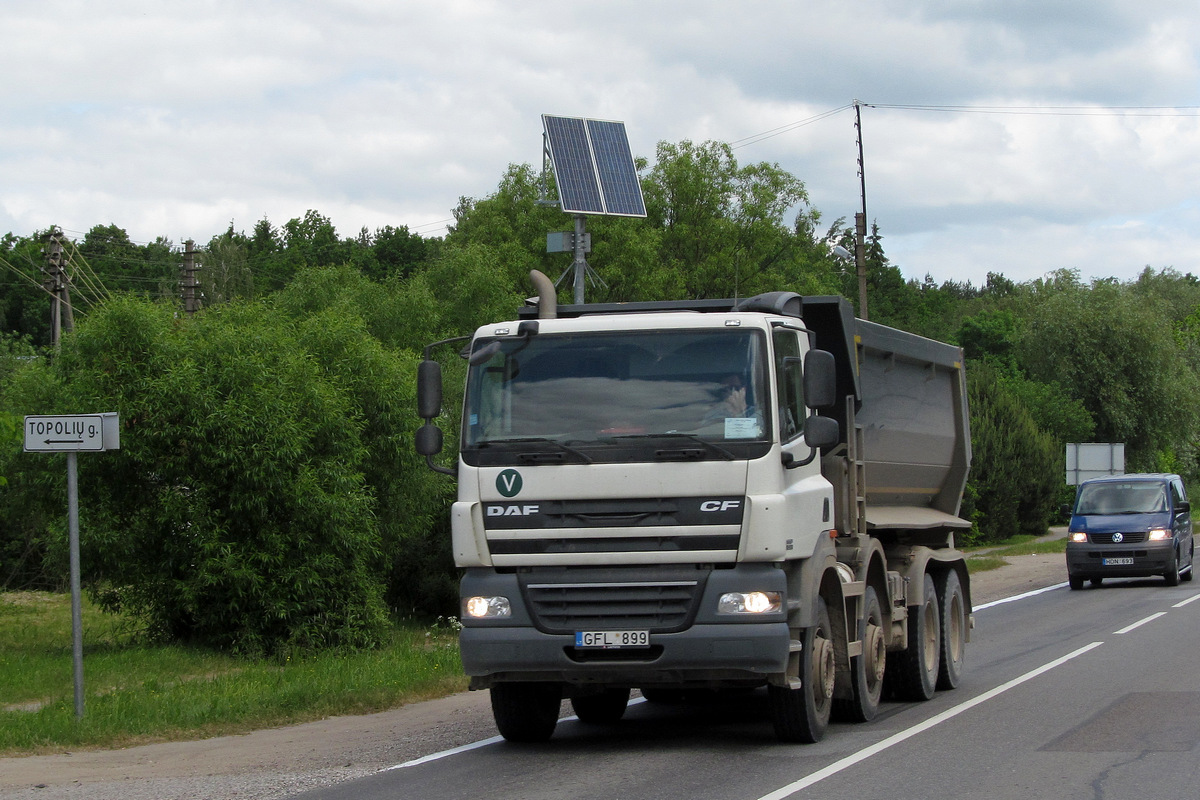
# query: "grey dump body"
915 429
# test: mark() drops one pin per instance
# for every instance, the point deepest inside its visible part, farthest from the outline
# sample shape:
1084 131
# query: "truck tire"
662 695
952 608
802 715
601 708
912 673
867 670
526 712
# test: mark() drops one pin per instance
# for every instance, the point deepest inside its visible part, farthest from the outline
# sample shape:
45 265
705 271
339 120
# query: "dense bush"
1016 468
235 513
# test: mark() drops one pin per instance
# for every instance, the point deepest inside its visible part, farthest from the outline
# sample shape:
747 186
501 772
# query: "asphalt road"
1085 694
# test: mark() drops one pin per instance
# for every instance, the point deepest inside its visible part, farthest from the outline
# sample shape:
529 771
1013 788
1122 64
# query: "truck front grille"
567 603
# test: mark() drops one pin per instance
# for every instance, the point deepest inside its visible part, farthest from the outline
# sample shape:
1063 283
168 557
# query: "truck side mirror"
429 389
821 432
429 440
820 379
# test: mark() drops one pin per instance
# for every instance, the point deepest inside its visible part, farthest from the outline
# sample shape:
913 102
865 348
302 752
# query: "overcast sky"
1076 144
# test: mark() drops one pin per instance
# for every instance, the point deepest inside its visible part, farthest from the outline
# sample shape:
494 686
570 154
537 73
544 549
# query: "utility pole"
58 284
191 303
860 219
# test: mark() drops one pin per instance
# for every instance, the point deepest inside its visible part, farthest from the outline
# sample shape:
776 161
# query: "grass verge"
994 556
137 693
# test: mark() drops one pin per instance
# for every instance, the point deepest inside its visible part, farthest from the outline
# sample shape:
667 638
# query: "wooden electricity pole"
191 302
58 283
860 219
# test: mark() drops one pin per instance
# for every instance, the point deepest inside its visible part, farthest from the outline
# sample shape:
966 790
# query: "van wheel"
1076 581
1172 573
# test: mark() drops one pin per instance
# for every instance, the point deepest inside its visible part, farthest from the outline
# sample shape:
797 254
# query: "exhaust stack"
547 296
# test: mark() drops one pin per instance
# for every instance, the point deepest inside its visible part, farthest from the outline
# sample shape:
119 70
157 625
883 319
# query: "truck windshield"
1122 498
698 387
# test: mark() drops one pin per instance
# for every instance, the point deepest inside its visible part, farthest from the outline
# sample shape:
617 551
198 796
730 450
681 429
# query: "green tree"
1016 468
1119 357
235 513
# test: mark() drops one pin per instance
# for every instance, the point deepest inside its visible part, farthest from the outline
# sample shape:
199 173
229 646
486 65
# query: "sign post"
70 435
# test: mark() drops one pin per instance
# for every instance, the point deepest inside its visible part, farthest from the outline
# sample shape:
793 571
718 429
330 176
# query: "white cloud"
175 120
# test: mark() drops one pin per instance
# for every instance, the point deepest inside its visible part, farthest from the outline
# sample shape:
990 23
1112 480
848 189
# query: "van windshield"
1122 498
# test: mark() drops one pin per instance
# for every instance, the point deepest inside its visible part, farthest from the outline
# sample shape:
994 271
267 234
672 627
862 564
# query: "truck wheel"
601 708
663 695
526 712
913 673
802 715
952 607
866 670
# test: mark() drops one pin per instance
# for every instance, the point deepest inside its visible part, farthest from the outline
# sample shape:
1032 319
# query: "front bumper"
689 642
701 654
1087 560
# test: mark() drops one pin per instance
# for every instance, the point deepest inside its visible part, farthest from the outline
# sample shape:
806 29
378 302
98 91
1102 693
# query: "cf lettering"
720 505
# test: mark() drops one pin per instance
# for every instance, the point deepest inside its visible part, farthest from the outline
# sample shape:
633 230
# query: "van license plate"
612 639
1118 562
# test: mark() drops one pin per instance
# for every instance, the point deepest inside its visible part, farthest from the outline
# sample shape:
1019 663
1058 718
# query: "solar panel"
593 166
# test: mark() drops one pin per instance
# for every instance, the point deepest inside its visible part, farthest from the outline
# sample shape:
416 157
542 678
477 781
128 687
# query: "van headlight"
750 603
1159 535
1077 536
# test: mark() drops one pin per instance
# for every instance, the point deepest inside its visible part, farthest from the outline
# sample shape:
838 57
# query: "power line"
791 126
1050 111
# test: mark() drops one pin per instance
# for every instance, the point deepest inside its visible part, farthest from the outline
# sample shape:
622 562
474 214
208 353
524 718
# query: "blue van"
1130 526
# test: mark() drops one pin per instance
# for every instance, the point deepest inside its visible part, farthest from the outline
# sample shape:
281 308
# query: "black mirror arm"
439 467
791 462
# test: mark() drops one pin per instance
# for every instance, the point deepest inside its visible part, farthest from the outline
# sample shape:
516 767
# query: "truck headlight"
750 603
486 607
1159 535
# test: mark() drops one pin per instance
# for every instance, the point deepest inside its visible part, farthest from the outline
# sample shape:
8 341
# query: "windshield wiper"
540 455
681 452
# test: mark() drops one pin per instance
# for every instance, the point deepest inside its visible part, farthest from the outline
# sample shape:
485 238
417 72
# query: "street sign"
72 433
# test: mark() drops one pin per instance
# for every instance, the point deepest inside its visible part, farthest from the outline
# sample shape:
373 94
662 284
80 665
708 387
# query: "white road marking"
1141 622
1016 597
879 747
1183 603
475 745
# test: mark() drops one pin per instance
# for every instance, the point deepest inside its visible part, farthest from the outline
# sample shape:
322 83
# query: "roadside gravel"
280 762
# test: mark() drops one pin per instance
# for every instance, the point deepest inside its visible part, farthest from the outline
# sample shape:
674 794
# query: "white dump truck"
690 496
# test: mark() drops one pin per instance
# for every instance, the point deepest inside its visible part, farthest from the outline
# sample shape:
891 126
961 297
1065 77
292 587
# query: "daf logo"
720 505
511 511
1118 538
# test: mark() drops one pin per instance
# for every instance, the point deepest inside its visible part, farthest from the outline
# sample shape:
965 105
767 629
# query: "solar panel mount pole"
581 264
